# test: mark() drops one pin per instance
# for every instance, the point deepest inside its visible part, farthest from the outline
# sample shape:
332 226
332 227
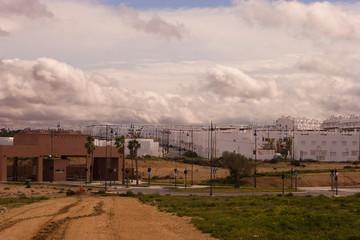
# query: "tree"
120 144
133 146
190 154
90 147
239 166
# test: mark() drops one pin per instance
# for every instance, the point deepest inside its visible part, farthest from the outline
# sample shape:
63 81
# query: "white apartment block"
300 123
340 141
335 146
147 146
327 146
351 122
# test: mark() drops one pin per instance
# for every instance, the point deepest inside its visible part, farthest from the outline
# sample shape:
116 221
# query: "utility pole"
192 157
255 160
106 158
211 156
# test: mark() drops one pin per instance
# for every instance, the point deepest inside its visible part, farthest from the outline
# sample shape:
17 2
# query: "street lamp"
149 171
175 170
185 172
255 160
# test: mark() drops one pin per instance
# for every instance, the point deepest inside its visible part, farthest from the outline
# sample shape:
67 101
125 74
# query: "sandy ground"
162 168
92 217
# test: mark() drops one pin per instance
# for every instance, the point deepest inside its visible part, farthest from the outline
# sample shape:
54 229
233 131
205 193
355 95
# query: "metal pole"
192 157
185 172
283 181
255 161
336 182
211 129
291 174
175 170
106 158
111 137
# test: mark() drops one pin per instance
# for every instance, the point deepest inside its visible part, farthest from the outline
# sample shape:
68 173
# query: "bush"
130 193
70 192
274 161
295 163
190 154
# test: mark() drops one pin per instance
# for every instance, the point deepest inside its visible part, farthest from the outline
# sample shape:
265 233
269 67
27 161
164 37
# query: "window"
333 143
333 154
302 143
313 152
323 153
345 154
59 170
354 153
323 143
313 143
344 143
354 143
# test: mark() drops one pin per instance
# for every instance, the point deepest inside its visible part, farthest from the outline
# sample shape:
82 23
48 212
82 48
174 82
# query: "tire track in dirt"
8 224
56 228
25 211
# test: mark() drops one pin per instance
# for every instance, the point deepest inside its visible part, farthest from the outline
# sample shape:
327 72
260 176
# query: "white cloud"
28 8
3 33
228 82
93 62
319 18
155 25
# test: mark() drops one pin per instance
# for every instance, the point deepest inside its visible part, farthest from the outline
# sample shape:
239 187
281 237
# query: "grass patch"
20 201
267 217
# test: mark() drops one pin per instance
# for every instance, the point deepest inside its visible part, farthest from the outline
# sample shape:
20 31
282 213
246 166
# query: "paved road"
117 188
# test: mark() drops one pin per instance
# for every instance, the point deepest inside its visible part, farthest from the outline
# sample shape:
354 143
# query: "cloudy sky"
188 62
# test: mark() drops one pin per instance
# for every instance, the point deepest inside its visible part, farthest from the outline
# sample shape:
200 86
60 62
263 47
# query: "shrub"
130 193
295 163
70 192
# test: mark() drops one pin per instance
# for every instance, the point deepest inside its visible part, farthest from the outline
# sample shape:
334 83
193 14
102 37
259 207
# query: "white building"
340 143
327 146
349 123
6 141
300 123
147 146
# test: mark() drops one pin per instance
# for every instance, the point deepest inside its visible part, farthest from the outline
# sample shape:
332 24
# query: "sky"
86 62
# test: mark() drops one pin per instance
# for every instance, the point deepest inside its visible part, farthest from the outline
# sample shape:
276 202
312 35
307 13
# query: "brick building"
48 157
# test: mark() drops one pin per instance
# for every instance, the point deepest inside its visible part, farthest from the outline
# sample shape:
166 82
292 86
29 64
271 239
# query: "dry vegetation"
165 169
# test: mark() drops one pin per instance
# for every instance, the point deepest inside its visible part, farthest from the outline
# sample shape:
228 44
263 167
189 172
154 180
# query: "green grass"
268 217
20 201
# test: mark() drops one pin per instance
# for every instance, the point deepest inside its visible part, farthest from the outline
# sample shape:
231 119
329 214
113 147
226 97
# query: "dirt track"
88 217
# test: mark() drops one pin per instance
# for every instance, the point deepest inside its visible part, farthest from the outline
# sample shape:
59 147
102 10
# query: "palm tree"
120 144
133 146
90 147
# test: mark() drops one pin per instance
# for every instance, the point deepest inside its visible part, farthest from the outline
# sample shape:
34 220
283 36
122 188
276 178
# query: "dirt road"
89 217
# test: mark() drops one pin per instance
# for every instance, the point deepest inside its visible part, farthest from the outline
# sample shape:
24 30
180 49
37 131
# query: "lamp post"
110 169
283 183
175 170
192 157
211 156
127 177
255 160
185 172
